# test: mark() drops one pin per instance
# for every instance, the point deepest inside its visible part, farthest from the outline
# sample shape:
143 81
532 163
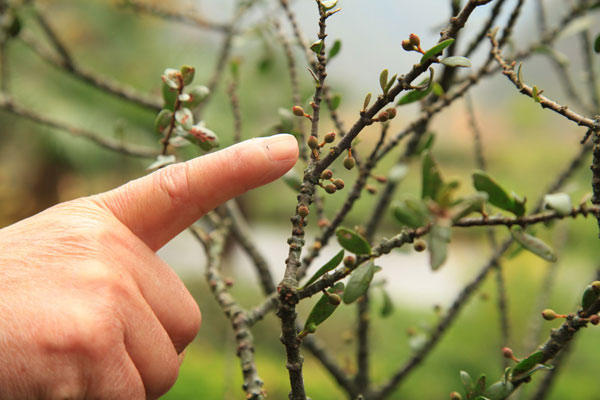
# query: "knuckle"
174 182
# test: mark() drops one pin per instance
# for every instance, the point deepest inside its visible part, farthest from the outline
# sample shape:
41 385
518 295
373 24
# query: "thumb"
158 206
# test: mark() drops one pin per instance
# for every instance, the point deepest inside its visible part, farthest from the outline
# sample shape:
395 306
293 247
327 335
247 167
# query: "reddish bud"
313 142
414 40
455 396
349 163
327 174
323 223
303 211
595 319
549 315
330 188
391 112
419 245
349 261
329 137
339 184
407 46
382 116
298 111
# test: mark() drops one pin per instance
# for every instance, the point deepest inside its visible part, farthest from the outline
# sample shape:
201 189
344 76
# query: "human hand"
88 309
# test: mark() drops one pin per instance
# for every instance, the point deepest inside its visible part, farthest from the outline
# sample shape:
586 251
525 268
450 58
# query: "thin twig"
103 141
188 18
103 83
509 72
243 235
253 384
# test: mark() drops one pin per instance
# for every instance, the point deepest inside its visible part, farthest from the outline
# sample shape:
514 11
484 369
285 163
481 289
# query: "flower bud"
313 142
549 315
334 299
371 189
455 396
329 137
327 174
382 116
391 112
595 319
312 328
419 245
303 211
414 40
407 46
298 111
323 223
507 353
339 184
349 163
349 261
330 188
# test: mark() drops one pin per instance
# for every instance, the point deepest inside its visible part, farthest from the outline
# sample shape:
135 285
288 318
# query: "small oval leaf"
533 244
431 179
352 241
163 120
323 308
456 61
359 281
529 362
335 49
497 195
439 237
317 46
383 79
329 265
559 202
438 48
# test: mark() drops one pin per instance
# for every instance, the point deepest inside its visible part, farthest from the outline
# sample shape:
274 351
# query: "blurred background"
525 148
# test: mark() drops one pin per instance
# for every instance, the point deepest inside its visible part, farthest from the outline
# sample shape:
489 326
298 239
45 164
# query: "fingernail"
282 147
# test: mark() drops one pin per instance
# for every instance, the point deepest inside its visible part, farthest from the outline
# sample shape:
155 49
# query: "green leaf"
410 212
532 371
528 363
335 102
479 386
590 295
317 46
499 390
390 84
388 306
328 4
397 173
559 202
383 79
359 281
439 237
329 265
456 61
437 89
197 95
187 74
335 49
161 161
323 308
367 101
425 143
203 137
171 78
466 380
169 96
412 96
435 50
519 74
497 195
162 121
468 205
533 244
352 241
597 44
185 118
431 178
535 94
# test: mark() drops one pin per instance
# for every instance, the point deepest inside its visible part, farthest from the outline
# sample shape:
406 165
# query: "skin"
89 311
